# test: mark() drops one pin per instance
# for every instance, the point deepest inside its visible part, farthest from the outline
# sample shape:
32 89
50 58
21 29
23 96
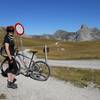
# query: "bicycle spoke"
40 71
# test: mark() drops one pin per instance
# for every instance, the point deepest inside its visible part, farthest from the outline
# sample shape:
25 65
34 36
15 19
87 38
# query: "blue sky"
47 16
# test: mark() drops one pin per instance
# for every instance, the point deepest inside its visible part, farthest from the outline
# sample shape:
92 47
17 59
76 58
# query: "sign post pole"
46 57
20 31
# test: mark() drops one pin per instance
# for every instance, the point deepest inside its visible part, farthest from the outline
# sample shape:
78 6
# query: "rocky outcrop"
83 34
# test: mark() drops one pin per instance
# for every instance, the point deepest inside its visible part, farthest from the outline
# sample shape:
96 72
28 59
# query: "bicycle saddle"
34 52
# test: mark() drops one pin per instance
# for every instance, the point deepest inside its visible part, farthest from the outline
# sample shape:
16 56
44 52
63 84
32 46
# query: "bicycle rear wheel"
40 71
5 65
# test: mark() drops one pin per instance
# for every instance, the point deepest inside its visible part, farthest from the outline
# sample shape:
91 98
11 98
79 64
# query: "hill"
83 34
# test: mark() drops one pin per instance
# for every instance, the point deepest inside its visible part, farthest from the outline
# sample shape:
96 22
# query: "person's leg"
12 70
10 81
11 77
15 70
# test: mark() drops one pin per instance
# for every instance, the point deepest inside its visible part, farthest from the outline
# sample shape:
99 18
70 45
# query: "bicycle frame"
22 61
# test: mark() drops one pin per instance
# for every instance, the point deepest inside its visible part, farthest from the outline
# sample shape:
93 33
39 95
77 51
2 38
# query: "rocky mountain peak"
83 34
84 27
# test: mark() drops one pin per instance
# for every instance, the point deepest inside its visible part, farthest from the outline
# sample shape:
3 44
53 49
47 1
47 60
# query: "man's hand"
11 60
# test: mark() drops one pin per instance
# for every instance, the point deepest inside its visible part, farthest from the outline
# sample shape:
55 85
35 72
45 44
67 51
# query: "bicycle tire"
5 63
40 71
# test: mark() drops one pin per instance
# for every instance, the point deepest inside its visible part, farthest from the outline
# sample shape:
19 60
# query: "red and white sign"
19 28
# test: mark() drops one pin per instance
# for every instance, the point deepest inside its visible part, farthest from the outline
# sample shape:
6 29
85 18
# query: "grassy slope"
66 50
62 50
80 77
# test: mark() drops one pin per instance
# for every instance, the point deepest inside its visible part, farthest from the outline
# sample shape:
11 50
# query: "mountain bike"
38 70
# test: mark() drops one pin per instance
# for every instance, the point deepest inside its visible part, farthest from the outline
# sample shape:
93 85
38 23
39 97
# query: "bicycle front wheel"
40 71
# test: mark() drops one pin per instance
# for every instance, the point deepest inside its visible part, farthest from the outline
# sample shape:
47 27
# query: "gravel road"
92 64
51 89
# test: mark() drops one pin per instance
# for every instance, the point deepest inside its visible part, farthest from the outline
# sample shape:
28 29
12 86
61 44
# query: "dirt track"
52 89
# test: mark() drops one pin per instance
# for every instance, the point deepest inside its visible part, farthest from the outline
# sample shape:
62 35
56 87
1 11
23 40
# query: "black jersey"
8 39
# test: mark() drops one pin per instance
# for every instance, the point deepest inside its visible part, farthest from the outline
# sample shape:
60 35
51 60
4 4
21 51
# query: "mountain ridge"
84 33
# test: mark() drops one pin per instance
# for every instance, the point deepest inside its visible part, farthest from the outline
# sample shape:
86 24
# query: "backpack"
3 51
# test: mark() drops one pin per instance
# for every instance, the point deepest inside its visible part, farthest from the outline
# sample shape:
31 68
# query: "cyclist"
9 46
